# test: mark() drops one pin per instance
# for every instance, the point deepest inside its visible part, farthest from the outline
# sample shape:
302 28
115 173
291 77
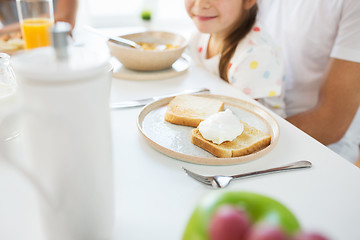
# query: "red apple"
229 223
309 236
267 233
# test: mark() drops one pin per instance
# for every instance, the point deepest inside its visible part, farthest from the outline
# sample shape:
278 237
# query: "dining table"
154 197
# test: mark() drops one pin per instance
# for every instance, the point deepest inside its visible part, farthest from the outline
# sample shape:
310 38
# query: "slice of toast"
189 110
251 140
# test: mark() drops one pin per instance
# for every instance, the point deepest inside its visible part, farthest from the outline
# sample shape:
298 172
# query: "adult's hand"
66 10
339 100
14 27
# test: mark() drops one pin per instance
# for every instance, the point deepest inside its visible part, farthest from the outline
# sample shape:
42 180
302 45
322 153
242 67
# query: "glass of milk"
8 102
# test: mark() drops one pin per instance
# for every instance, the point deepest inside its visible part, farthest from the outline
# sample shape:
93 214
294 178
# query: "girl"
233 46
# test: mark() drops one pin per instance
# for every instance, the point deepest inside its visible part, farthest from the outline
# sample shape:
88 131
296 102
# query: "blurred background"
124 13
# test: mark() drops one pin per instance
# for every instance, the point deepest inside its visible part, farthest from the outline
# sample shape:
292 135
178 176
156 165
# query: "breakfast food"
220 127
10 43
223 214
190 110
218 132
244 216
249 141
156 46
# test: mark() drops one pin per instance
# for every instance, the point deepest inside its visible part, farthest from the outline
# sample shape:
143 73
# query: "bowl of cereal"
159 50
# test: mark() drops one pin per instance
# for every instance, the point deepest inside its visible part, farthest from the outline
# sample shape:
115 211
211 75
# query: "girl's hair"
232 40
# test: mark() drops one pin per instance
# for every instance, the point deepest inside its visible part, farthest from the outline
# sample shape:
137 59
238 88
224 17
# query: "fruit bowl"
244 216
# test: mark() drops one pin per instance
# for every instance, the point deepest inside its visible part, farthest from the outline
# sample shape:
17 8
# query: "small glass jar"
8 99
7 76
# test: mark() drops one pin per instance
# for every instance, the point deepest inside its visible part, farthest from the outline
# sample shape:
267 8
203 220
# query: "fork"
220 181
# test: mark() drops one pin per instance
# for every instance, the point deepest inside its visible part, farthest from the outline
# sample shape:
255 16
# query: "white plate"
179 66
174 140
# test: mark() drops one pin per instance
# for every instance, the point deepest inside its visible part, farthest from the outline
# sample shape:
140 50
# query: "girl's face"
215 16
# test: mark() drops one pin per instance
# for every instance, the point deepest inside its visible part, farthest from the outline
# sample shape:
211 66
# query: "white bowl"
149 60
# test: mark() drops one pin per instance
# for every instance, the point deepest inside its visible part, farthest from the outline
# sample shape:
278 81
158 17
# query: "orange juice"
36 32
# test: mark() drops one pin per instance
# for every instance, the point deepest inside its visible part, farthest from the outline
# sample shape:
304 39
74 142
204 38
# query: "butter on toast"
251 140
189 110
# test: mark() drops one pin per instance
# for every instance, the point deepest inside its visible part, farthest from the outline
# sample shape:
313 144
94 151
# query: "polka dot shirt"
256 68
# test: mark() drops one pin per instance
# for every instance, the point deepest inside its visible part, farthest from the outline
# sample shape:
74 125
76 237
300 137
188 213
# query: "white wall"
125 13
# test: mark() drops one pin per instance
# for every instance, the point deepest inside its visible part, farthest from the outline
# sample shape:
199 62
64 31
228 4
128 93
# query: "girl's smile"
204 18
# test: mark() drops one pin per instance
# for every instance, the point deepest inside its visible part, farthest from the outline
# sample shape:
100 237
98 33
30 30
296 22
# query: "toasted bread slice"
251 140
190 110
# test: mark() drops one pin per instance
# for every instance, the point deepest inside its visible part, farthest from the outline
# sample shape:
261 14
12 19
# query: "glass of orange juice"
36 18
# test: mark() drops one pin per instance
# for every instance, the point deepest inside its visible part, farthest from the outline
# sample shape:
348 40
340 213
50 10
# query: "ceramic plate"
174 140
178 67
11 43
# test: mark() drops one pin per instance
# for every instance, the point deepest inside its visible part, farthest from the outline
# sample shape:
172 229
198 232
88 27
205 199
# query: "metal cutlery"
219 181
117 40
143 102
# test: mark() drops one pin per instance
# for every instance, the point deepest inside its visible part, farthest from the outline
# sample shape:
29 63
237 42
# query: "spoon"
117 40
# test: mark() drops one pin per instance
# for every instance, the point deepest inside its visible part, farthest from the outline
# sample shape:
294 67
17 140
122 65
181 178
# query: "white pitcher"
64 93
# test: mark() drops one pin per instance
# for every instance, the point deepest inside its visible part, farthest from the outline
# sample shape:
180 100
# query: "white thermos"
64 93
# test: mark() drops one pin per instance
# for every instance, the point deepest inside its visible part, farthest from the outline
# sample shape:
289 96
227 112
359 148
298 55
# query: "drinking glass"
36 18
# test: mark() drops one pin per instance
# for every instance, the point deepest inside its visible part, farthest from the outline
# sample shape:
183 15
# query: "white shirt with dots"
256 67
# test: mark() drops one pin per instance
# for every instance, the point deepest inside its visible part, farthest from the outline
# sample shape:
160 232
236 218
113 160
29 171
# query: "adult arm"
13 27
339 99
66 11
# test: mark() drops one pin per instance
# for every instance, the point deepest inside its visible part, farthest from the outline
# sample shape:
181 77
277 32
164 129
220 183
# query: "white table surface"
154 197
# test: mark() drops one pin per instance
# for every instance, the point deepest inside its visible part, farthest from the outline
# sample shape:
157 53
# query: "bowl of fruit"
244 216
